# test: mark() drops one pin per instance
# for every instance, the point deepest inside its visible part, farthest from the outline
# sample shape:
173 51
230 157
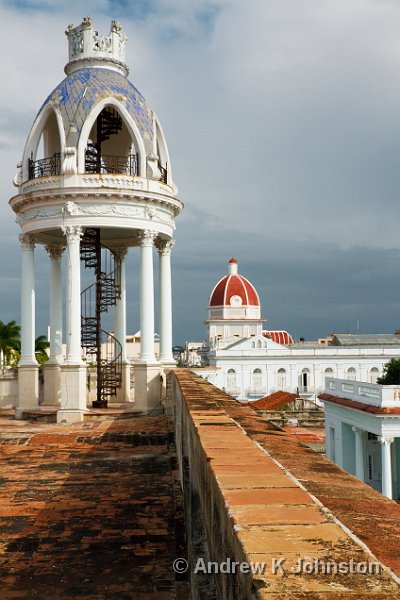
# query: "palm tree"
41 345
10 341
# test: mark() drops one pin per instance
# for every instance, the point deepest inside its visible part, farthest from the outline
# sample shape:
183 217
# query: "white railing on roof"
386 396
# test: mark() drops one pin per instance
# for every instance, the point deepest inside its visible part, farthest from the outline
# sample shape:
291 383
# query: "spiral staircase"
101 347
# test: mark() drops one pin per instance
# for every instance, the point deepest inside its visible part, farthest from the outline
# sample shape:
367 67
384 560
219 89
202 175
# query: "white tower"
95 180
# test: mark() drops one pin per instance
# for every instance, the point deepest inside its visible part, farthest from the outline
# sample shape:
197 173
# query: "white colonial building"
362 427
249 362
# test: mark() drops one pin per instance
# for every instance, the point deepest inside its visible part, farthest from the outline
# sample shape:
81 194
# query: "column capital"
73 233
357 429
147 237
27 241
164 247
120 252
386 441
55 251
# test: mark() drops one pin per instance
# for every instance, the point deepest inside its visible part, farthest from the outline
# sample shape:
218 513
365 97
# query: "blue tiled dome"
78 93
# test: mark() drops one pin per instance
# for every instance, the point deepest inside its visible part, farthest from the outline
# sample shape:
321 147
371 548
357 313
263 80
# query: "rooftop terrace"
95 510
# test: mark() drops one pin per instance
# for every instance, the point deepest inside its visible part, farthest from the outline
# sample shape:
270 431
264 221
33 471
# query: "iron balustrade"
118 165
164 172
44 166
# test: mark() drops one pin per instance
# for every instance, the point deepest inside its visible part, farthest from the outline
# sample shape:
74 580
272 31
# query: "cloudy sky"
282 119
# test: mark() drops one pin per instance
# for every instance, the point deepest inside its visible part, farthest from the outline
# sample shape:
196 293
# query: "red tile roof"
357 405
276 400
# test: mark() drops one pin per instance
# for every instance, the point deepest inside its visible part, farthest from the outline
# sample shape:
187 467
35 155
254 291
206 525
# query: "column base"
28 390
70 416
52 384
73 393
168 363
124 393
147 386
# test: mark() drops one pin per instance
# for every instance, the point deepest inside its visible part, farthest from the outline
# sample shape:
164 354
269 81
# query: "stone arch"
257 380
54 134
161 148
351 374
305 378
231 379
281 378
127 119
373 374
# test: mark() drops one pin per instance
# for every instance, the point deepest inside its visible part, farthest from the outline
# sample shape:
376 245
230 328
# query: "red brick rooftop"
94 511
91 511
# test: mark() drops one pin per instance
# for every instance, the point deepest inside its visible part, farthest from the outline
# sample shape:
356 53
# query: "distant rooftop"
366 339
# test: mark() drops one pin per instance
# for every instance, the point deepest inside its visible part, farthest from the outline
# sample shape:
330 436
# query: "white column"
165 300
55 253
124 392
386 466
146 296
360 468
27 301
120 307
73 234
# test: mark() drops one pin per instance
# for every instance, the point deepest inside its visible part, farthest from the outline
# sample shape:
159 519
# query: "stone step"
41 416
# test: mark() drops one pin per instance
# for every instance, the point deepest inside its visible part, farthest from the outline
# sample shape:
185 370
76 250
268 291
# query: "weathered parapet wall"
209 529
242 504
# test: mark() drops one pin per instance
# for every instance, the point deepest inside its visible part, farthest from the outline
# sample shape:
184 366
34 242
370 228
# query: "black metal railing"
164 172
111 367
44 166
118 165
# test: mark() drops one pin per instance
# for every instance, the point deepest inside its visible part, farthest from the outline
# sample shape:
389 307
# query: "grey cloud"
283 127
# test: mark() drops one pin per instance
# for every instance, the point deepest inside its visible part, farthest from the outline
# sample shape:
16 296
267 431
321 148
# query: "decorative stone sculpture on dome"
86 44
103 185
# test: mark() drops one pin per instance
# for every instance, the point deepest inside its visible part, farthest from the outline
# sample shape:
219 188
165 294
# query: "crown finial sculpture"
88 48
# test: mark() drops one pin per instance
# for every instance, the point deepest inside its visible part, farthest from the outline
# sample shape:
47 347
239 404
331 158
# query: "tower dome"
96 131
234 309
95 180
234 291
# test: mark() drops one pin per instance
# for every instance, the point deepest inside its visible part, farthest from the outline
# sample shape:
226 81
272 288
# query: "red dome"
280 337
234 290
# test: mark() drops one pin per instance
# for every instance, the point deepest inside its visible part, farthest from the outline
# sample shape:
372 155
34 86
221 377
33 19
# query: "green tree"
41 345
10 342
391 373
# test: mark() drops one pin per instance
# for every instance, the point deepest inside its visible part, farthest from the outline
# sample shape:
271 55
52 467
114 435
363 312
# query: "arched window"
231 379
281 379
257 380
110 148
45 154
328 372
373 374
351 374
305 379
